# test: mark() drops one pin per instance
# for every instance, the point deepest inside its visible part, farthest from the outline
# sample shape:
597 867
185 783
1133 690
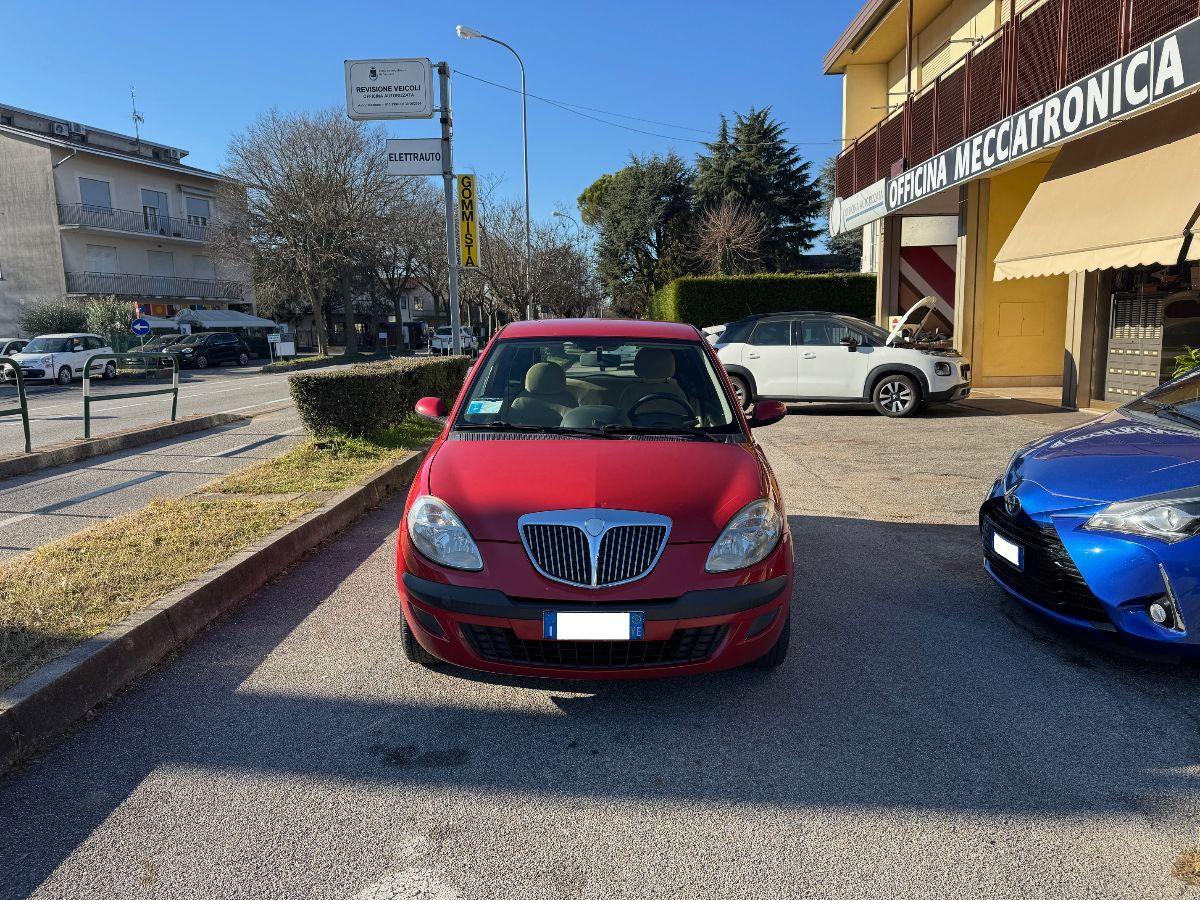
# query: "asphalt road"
56 413
42 507
924 739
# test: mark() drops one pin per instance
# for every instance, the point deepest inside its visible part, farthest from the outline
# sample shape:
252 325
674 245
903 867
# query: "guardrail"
147 358
23 408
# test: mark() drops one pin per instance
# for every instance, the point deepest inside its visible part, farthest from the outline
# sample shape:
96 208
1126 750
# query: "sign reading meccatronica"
1151 75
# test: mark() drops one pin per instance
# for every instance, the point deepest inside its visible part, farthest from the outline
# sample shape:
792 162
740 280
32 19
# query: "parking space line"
92 495
15 519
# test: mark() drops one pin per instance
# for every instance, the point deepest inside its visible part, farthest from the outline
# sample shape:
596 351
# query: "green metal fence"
22 409
148 358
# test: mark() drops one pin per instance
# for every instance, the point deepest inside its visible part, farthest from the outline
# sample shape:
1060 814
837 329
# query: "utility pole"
451 209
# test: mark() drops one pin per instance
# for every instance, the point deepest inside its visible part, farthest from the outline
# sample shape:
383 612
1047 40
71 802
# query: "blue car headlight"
1168 519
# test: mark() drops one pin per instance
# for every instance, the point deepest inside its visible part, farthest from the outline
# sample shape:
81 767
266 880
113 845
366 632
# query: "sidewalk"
1038 396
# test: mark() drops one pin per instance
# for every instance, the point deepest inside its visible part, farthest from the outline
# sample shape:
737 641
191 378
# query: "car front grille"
1050 577
965 371
685 645
611 553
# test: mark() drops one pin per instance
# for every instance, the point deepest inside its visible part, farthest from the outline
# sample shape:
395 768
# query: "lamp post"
467 34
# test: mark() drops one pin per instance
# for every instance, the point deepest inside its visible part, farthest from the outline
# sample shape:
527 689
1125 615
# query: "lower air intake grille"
686 645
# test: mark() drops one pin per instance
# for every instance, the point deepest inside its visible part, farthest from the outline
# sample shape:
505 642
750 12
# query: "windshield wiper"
615 428
1173 409
501 425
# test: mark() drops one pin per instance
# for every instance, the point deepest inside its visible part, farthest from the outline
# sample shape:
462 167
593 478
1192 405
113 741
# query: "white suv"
441 341
61 357
827 357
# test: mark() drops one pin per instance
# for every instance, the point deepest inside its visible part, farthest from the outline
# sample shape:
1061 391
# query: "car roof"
67 334
796 314
634 329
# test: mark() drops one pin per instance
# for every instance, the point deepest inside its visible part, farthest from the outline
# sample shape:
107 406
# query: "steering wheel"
689 413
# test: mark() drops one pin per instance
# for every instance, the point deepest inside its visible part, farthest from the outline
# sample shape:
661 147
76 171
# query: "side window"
823 332
228 339
93 343
772 334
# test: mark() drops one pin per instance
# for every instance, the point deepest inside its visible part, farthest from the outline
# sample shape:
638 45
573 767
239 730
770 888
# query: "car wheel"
897 396
201 361
243 359
742 390
774 657
64 375
110 371
413 651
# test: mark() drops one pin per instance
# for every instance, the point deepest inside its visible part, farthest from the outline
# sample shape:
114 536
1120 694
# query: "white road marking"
255 405
13 520
256 442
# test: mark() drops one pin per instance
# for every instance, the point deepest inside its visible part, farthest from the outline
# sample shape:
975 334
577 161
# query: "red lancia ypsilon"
596 508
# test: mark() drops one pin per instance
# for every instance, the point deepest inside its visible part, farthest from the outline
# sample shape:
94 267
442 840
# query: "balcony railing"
1048 45
147 222
153 286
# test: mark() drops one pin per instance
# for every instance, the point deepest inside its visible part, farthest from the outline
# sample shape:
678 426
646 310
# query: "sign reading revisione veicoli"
1151 75
389 89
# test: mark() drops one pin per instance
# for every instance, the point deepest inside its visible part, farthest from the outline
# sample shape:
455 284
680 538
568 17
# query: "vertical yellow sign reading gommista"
468 237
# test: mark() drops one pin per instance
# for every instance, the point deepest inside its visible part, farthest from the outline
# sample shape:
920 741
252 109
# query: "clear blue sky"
203 70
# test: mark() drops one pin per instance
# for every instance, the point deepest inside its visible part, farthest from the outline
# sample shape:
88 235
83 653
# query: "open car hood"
927 303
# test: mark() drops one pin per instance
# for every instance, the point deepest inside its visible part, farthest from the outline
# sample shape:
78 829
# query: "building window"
202 267
155 211
404 301
102 260
418 304
95 194
198 210
162 264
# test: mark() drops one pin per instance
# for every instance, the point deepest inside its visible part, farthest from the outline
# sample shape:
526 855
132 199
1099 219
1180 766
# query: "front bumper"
1092 581
700 630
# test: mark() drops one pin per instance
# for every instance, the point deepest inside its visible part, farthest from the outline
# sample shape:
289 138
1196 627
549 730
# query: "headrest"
545 378
654 364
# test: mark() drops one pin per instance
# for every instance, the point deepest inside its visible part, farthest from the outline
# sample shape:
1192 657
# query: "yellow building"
1031 164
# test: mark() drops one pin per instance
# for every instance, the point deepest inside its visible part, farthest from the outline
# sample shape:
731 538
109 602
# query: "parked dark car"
210 349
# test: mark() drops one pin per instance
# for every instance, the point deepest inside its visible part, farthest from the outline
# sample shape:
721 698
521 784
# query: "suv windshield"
48 345
606 386
1176 400
193 339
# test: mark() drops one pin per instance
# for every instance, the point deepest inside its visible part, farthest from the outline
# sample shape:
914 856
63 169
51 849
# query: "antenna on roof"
137 117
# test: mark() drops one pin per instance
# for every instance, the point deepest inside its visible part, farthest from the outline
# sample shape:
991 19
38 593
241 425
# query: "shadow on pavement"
912 683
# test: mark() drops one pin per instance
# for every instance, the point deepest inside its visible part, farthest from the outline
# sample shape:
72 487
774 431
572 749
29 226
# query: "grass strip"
329 463
57 596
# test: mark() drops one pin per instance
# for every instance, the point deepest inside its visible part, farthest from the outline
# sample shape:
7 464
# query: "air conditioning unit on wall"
76 128
60 128
174 154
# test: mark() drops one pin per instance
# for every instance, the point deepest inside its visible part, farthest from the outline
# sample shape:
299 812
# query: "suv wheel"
64 375
413 651
742 390
201 361
243 359
897 396
110 371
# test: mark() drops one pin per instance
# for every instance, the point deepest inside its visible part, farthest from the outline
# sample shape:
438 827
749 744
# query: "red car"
596 507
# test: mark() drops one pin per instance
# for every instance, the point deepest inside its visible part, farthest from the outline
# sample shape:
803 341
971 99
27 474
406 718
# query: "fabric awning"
1127 196
160 322
222 318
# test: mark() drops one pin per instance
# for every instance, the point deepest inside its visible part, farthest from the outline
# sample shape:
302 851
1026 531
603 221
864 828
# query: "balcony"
153 286
1048 45
147 222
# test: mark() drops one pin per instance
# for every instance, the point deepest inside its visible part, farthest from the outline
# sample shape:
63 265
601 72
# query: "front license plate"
593 626
1007 550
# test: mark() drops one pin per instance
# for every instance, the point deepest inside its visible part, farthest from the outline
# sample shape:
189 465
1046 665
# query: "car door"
771 358
827 368
227 348
92 346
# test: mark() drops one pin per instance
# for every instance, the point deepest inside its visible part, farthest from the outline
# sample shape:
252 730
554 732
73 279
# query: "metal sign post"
448 184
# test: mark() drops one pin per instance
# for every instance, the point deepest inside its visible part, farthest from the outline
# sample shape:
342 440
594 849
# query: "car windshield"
604 386
48 345
874 332
443 331
192 339
1176 400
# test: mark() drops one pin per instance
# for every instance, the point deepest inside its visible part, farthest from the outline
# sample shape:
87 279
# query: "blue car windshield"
1178 400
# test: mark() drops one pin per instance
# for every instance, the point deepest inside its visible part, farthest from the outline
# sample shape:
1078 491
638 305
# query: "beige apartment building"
84 211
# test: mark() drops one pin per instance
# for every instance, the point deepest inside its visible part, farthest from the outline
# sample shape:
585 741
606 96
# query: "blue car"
1096 527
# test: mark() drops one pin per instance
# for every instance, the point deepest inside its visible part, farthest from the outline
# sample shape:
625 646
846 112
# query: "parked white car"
827 357
61 357
441 342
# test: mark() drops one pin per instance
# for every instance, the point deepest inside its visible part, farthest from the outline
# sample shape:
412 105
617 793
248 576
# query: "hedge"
715 300
299 363
367 398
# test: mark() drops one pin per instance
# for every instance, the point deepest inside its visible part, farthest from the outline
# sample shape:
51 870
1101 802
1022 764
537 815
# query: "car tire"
896 396
64 376
413 651
110 371
774 657
201 361
742 390
243 359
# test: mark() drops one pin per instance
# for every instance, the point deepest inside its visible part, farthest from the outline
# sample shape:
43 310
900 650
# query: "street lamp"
467 33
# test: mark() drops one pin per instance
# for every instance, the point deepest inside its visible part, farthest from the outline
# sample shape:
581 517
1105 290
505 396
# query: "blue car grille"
1049 577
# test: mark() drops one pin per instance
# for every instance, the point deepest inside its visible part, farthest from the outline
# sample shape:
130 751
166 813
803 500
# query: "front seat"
545 399
655 371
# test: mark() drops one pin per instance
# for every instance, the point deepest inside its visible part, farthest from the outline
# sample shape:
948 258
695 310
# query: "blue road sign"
140 327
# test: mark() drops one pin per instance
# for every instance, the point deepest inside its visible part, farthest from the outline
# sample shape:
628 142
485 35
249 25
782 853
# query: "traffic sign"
140 327
389 89
414 156
273 338
468 238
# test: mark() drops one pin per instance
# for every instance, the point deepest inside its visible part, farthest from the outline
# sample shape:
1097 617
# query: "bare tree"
729 238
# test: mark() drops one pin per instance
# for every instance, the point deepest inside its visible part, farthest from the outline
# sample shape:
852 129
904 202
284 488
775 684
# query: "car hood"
698 484
1122 456
23 357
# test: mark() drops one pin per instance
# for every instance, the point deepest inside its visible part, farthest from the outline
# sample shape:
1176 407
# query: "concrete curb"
79 450
52 699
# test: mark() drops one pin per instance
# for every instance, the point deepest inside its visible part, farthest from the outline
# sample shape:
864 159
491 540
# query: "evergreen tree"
757 165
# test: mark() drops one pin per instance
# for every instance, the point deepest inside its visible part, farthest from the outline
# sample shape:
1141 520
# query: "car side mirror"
432 408
767 412
850 344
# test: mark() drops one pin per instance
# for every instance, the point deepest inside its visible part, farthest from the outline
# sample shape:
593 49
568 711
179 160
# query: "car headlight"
1170 519
441 536
748 538
46 361
187 350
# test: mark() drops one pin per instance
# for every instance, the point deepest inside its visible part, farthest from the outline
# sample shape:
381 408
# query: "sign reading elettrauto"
389 89
1141 79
